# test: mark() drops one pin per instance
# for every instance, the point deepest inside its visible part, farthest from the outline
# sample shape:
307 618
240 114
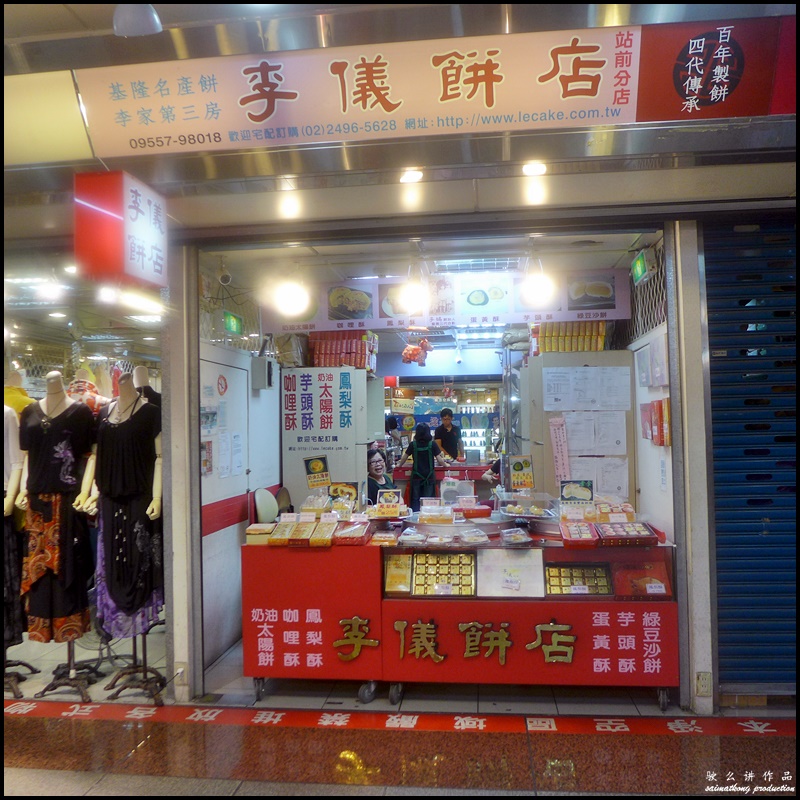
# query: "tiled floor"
57 752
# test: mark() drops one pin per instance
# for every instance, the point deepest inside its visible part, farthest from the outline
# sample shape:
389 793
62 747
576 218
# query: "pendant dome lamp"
136 19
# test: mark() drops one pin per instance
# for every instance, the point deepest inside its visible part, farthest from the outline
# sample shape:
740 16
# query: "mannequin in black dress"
56 438
127 494
13 617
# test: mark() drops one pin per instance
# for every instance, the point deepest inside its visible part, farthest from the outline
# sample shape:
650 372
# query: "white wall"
255 414
653 462
443 363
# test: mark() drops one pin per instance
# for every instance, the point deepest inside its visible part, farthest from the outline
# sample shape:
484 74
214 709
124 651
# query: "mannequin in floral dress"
56 438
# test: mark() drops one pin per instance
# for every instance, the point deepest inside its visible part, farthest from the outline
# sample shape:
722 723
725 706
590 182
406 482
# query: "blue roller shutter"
751 291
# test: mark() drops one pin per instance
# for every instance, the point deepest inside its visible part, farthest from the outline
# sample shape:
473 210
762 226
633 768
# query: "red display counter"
526 617
311 613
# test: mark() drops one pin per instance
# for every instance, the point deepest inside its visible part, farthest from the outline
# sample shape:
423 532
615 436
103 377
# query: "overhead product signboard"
547 80
469 299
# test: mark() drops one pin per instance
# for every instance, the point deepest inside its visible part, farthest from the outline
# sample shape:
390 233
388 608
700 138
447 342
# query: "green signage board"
233 323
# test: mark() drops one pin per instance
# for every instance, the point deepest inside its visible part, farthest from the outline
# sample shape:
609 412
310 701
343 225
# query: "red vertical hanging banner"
120 229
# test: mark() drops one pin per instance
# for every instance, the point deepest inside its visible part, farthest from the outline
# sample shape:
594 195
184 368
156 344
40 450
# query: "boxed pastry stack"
356 348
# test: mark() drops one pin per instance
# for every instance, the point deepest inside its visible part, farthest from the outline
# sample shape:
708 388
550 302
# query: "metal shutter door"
751 293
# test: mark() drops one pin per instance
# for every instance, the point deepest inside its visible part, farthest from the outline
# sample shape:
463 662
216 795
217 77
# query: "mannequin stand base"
88 668
11 682
67 675
146 680
79 684
12 679
139 676
25 664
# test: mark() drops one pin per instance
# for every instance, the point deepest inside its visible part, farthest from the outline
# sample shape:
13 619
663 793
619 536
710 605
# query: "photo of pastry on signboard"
347 303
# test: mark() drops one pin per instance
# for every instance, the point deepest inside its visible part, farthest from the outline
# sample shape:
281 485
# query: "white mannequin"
12 460
53 404
123 406
102 380
122 409
82 374
13 379
141 377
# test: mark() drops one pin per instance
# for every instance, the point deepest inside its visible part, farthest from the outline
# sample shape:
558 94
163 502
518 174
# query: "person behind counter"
448 437
393 431
376 475
493 473
426 454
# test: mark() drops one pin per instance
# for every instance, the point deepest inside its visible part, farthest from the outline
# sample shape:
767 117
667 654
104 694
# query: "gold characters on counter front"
560 647
423 640
479 635
355 636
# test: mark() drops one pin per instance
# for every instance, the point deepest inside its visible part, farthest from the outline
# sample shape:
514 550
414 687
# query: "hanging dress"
57 563
14 618
130 569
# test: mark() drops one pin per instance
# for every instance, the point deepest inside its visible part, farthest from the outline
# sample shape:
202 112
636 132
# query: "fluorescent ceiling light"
533 168
411 176
146 318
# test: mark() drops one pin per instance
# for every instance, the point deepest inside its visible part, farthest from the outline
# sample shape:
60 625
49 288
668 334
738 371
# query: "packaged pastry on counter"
411 537
352 533
323 534
626 533
301 535
397 573
440 539
515 537
258 538
615 512
564 579
473 537
472 512
280 536
386 537
343 507
436 515
316 504
648 581
260 528
579 534
444 574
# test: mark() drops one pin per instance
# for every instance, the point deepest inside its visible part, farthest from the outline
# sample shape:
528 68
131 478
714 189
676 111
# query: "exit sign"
643 266
232 323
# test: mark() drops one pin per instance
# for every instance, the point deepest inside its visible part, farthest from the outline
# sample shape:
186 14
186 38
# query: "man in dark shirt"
448 437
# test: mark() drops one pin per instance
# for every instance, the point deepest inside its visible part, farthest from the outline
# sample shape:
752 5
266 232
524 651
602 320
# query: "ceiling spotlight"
291 299
136 19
